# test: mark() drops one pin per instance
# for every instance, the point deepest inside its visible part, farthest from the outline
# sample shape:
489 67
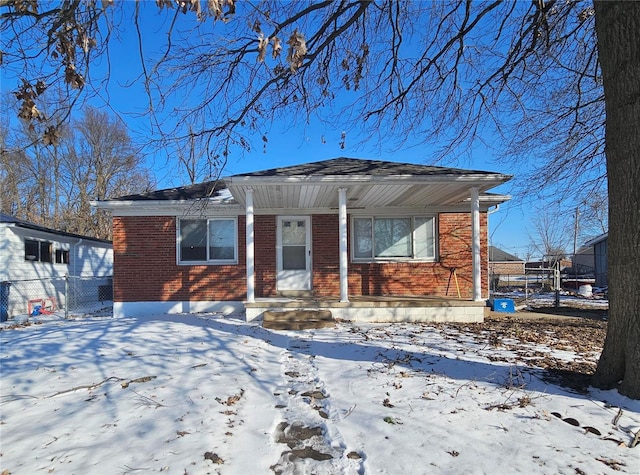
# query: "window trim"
412 258
41 243
36 257
207 261
63 255
46 252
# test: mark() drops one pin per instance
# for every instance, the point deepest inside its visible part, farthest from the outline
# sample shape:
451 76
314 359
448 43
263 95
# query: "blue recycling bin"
4 300
504 305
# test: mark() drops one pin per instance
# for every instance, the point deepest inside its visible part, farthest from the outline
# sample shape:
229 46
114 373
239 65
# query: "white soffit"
361 195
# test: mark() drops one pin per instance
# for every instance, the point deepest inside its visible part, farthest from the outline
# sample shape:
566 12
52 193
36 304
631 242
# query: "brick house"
338 232
503 263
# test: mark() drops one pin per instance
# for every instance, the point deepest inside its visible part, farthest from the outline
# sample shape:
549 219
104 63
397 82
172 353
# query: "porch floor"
394 308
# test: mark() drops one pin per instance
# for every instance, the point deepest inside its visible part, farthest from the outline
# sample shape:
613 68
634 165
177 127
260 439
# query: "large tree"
449 73
618 27
93 159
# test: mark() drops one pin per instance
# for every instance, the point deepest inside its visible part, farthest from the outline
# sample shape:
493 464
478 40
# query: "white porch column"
251 278
344 258
475 244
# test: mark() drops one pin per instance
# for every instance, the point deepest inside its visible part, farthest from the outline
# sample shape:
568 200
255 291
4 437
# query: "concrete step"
297 319
295 294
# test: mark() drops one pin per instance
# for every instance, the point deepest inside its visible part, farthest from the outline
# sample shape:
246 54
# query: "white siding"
46 280
4 253
91 259
86 258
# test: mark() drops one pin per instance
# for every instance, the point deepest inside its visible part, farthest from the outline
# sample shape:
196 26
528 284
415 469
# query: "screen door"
294 253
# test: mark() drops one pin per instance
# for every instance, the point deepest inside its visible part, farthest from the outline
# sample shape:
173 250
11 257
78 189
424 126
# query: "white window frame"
411 258
208 261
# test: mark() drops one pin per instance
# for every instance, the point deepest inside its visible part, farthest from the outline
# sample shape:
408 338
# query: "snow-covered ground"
200 394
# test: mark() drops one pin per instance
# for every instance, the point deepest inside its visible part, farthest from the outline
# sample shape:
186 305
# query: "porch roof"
369 184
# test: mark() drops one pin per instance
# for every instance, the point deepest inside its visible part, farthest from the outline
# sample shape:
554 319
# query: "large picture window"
211 241
396 238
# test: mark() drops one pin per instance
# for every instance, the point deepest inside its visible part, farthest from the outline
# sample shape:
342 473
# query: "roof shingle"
344 166
208 189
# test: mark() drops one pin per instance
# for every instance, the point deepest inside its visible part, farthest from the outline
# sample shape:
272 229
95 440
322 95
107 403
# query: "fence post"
66 296
556 283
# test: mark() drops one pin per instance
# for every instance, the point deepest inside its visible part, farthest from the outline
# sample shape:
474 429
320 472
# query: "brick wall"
454 234
402 278
145 269
326 255
265 228
507 268
145 266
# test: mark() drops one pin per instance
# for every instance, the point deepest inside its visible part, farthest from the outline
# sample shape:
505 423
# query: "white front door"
293 253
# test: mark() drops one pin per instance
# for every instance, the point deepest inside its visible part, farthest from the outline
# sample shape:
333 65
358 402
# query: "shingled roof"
341 167
344 166
498 255
208 189
21 223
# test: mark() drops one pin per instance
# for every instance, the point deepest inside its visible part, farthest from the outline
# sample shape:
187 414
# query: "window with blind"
393 238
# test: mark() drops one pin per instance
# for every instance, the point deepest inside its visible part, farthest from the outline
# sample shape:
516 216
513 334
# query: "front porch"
376 309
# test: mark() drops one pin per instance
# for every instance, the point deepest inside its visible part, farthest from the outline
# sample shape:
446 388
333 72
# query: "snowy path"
313 443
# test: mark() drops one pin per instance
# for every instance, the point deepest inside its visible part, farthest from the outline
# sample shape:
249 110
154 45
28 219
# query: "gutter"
75 255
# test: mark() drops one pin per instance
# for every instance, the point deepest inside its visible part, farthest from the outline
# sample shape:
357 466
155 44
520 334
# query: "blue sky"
313 141
317 141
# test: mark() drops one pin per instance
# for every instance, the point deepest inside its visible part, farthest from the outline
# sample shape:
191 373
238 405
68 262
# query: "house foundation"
383 309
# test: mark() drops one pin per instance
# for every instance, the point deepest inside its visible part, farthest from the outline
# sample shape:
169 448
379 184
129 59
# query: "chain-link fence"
542 280
538 281
67 296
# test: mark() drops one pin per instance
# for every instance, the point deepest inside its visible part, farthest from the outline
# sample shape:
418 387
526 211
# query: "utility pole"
575 242
556 283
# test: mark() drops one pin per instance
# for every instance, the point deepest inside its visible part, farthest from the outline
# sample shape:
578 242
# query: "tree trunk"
618 30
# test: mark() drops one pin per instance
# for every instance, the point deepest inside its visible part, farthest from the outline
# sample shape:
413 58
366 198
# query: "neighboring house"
600 263
583 261
503 263
345 232
35 260
536 267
